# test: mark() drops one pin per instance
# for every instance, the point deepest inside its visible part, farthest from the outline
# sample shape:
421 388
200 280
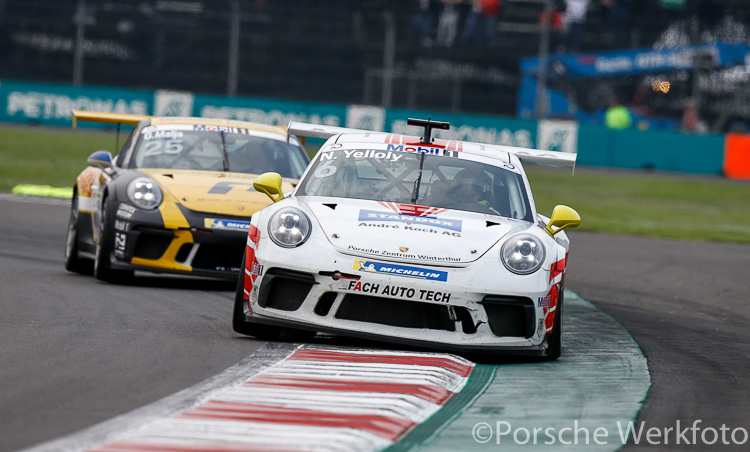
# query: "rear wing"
552 158
107 118
319 131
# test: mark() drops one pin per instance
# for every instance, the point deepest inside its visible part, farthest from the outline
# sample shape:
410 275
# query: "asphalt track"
687 304
76 352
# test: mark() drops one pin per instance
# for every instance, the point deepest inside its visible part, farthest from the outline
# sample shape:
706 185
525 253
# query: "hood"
213 191
408 233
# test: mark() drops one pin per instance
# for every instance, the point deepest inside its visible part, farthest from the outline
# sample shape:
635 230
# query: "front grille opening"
510 316
184 252
218 257
464 317
284 290
325 303
398 313
151 246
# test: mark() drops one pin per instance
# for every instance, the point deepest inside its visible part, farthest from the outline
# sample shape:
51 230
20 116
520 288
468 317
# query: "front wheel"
102 258
72 261
242 326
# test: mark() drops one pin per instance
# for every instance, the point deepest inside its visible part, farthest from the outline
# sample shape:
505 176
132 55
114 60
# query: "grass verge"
651 204
47 156
618 202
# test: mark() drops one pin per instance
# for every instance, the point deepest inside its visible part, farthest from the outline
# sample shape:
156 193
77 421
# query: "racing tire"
239 324
73 262
102 256
554 342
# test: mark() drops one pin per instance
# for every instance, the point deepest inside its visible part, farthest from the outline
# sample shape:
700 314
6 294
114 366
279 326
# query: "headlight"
289 227
523 254
144 193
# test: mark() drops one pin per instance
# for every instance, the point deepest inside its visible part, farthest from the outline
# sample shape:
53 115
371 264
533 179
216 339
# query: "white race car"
412 240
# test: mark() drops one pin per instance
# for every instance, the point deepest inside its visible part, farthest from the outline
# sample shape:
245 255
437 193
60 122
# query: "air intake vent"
284 290
510 316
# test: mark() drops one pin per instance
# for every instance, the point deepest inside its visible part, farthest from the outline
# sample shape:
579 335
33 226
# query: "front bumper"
151 241
478 307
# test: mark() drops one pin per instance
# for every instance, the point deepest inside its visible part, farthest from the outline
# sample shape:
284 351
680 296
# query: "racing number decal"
120 240
171 147
325 169
162 142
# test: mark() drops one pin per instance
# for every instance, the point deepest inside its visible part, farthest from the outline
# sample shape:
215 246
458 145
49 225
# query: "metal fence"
305 50
334 51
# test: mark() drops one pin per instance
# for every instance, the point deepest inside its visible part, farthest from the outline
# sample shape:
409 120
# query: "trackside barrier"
651 150
737 156
52 104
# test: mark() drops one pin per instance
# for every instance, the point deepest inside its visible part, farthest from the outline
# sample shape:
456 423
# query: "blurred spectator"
618 19
574 21
485 12
618 116
640 109
448 23
639 105
424 19
690 120
555 11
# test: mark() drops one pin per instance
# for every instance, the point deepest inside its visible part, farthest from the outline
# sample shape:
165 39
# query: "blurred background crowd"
434 55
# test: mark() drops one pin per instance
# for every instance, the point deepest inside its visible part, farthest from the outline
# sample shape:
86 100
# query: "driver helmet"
472 185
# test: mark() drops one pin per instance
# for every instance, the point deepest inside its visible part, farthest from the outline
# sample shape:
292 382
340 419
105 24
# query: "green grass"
48 156
619 202
652 204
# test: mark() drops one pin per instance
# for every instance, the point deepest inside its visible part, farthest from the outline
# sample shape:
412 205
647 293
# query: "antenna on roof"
428 126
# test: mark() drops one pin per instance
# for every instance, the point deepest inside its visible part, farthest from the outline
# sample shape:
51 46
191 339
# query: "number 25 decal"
171 147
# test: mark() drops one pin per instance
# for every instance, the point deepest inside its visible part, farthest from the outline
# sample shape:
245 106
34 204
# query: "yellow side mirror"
270 184
563 217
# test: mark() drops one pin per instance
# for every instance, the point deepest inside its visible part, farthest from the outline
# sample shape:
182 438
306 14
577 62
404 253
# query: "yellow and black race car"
177 198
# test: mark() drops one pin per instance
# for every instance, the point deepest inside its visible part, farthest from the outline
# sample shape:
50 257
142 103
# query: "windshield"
196 148
459 183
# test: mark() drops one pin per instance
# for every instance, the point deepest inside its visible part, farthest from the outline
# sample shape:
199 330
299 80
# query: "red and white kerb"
313 400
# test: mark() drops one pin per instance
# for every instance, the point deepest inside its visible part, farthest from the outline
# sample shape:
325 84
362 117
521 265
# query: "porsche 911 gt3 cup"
418 241
178 198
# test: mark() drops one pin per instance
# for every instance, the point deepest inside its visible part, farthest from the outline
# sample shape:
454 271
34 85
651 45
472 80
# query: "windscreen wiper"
224 155
426 139
418 182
